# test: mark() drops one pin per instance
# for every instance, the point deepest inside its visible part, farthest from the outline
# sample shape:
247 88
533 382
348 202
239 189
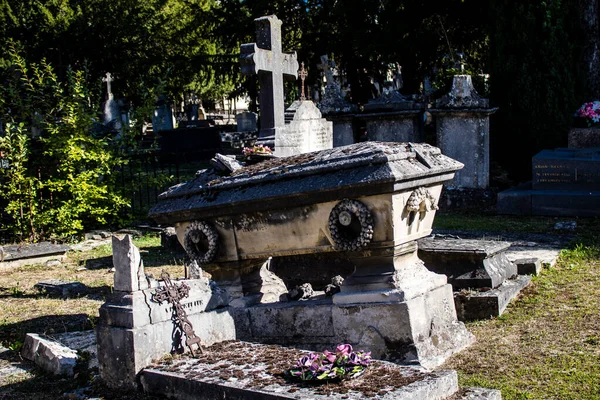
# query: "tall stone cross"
266 59
108 79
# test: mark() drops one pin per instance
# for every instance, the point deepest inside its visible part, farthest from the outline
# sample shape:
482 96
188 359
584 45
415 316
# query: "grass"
547 344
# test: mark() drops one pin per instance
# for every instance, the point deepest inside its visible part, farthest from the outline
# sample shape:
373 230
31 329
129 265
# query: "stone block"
580 138
129 268
464 136
49 355
528 266
122 352
515 201
397 126
61 287
474 305
420 330
468 263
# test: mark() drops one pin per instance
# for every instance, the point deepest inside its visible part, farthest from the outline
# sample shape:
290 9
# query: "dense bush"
60 177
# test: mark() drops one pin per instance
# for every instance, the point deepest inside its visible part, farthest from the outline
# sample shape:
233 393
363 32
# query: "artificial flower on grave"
344 363
589 112
257 150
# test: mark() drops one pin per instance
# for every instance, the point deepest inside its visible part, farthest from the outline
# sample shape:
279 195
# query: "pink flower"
344 349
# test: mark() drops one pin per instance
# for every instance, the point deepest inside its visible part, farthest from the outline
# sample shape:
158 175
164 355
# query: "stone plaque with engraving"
566 169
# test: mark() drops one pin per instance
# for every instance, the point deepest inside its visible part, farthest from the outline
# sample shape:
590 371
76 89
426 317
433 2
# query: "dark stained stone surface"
350 171
42 249
567 169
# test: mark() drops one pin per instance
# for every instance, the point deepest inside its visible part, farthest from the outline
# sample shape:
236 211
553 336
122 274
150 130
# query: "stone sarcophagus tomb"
370 201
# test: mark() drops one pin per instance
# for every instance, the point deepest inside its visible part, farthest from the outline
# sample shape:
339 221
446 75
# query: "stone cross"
172 293
266 59
108 80
302 73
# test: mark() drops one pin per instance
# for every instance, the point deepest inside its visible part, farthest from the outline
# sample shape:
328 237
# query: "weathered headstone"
391 116
336 108
162 119
266 59
463 132
246 122
305 130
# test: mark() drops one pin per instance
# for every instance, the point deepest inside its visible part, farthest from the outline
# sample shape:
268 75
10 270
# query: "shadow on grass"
155 256
13 335
91 292
45 386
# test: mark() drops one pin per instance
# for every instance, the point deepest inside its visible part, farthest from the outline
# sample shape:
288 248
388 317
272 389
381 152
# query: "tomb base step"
423 330
215 375
473 305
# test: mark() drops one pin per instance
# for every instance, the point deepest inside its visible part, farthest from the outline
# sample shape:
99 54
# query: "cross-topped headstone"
108 79
266 59
302 73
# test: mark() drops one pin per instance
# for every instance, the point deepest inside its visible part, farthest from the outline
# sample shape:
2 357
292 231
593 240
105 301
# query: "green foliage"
60 177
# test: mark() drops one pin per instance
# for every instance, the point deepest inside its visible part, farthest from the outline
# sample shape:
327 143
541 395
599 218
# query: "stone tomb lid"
351 171
486 248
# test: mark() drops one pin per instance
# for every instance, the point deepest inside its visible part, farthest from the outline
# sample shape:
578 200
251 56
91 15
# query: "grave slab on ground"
244 370
38 253
60 287
483 278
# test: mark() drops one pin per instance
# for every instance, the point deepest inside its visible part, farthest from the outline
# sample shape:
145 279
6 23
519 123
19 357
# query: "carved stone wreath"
350 225
201 242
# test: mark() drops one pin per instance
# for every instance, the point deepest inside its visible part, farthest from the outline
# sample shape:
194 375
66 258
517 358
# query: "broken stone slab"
49 354
474 305
528 266
82 341
26 254
225 163
59 287
128 264
468 263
